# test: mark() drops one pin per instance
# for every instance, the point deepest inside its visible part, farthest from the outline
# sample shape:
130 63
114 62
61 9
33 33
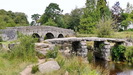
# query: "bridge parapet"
41 31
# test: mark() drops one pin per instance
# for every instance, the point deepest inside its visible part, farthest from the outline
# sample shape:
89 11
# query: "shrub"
34 69
118 52
52 53
129 54
1 40
105 28
130 30
61 60
25 50
40 55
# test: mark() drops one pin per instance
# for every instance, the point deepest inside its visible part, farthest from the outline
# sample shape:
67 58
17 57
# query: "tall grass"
24 51
11 67
14 61
124 34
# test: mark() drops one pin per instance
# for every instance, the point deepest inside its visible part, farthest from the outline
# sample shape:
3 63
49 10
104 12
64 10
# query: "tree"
72 20
35 18
52 12
129 8
11 19
116 14
51 22
103 8
89 18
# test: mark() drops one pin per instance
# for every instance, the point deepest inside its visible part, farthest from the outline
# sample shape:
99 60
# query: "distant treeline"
11 19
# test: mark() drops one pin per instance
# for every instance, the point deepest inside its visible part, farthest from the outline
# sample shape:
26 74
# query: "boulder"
48 66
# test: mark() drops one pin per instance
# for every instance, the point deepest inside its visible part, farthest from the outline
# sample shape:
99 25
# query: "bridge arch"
35 35
60 36
49 36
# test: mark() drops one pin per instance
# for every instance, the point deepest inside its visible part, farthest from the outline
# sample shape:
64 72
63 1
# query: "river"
115 68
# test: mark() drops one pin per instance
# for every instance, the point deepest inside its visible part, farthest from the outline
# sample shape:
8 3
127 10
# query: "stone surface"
11 32
48 66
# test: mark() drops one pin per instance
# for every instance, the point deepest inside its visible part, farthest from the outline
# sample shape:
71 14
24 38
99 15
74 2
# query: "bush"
52 53
61 60
118 52
25 50
130 30
105 28
34 69
1 40
40 55
129 54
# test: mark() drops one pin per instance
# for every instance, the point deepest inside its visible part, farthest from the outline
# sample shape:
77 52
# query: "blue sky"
38 6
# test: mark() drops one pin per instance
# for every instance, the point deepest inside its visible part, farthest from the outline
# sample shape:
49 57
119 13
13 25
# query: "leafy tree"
116 14
127 17
103 8
51 22
89 18
21 19
52 12
11 19
74 20
35 18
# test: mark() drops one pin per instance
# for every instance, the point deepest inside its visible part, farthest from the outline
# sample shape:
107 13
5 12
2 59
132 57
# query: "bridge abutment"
102 50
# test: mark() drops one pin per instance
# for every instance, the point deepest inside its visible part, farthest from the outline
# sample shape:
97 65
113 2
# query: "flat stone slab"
73 39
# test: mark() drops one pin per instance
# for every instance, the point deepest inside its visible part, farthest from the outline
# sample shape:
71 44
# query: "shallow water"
115 68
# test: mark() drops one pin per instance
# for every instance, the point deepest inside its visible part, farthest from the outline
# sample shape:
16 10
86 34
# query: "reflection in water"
115 68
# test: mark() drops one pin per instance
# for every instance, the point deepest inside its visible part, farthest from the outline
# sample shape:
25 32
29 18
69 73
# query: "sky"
30 7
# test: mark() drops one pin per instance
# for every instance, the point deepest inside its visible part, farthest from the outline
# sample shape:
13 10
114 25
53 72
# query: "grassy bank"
124 34
11 67
13 61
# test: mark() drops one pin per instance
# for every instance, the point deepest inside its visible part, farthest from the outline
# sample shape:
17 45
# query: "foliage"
74 65
72 20
61 60
105 28
129 54
40 55
25 50
118 52
1 39
35 18
89 18
90 56
51 22
34 69
52 53
126 20
11 19
52 15
11 67
130 30
103 9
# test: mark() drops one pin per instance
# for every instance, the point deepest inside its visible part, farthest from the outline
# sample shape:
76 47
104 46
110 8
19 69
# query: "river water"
115 68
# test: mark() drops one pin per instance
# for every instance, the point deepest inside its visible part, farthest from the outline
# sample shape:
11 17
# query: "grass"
14 61
11 67
74 65
124 34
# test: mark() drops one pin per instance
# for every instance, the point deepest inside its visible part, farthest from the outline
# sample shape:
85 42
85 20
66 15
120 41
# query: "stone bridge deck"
73 39
101 46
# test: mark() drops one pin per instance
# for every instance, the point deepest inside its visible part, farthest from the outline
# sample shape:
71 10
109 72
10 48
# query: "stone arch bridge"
11 33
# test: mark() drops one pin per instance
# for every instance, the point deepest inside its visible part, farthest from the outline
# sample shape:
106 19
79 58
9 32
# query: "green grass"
74 66
14 61
124 34
11 67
